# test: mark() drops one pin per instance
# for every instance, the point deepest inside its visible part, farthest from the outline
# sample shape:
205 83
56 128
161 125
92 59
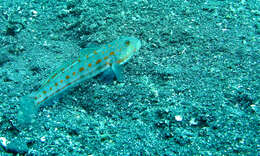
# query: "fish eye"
127 42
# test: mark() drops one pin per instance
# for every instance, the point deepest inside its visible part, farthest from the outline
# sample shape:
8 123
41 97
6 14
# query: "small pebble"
178 118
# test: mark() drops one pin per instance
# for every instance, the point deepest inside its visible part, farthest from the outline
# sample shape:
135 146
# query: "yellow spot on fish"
60 81
127 43
74 73
67 77
53 76
89 64
44 92
106 57
81 69
98 61
119 61
112 53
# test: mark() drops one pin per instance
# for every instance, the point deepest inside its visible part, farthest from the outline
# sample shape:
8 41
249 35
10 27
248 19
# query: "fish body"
92 61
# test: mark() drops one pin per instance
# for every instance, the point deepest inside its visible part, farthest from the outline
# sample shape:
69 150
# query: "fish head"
127 47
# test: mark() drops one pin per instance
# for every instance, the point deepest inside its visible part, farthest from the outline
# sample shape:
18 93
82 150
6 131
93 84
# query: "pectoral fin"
111 73
118 71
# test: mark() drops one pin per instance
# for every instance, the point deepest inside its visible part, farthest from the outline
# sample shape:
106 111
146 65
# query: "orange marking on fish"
81 69
122 60
112 53
98 61
106 57
107 63
127 43
53 76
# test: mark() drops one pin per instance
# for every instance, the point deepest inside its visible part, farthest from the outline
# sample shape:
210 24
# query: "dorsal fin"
89 49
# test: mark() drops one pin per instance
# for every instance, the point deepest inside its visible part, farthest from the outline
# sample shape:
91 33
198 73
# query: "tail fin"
27 110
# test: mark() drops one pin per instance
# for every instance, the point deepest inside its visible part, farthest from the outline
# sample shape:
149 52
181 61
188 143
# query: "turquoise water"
193 88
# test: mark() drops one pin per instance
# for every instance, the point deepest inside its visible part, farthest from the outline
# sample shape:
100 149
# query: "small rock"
16 146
